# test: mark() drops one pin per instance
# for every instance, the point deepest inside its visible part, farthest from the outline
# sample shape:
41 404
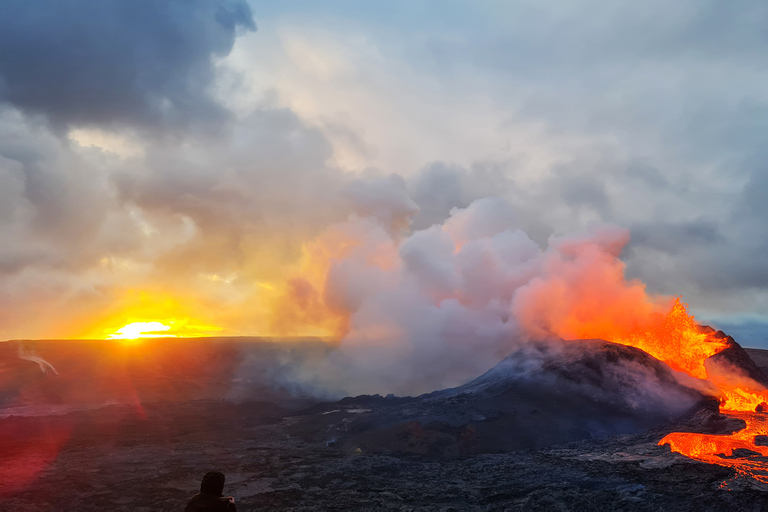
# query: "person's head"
213 483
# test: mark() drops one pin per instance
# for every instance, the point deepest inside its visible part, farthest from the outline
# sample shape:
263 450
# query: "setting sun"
138 330
166 327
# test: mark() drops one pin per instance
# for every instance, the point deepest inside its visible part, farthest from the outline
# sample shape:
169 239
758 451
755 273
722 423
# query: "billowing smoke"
435 307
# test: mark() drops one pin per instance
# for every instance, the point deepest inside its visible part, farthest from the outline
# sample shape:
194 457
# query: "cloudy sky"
177 161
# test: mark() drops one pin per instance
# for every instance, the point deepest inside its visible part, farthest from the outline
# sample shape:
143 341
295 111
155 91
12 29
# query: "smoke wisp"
30 355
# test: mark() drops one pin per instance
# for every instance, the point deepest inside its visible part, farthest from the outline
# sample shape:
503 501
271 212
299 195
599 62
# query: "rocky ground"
374 453
116 459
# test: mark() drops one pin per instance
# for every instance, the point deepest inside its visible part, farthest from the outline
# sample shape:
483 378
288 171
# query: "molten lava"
676 339
738 450
679 341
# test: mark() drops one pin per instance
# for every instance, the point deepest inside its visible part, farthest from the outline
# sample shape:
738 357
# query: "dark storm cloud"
114 62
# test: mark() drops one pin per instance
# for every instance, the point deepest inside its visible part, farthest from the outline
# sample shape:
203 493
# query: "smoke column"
428 309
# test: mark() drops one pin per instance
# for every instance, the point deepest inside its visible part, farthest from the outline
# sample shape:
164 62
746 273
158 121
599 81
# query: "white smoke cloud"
439 306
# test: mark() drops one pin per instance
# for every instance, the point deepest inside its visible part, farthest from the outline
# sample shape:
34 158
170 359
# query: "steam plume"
435 307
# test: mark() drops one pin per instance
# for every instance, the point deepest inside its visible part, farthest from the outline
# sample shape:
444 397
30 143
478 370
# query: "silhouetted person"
209 499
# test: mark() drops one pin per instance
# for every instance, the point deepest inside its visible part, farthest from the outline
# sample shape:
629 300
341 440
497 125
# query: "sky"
208 163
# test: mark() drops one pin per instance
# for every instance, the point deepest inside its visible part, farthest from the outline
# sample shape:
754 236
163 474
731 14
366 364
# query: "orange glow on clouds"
151 314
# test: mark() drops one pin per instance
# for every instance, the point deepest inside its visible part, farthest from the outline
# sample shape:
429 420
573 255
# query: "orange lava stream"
719 449
679 341
740 399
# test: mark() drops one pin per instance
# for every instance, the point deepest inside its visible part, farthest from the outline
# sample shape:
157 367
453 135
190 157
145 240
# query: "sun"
136 330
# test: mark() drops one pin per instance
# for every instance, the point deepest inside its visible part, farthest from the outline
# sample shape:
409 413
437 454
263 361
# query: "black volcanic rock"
564 392
760 358
125 459
114 461
734 358
705 418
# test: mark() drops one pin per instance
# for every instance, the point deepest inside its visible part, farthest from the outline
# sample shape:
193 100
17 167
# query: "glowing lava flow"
739 450
716 449
679 341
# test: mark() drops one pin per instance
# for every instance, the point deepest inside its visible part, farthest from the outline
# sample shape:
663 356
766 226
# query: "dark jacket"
209 498
207 502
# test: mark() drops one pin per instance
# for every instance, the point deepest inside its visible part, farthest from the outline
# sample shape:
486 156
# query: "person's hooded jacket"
210 499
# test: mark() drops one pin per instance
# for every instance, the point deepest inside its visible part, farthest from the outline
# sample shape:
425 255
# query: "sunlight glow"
138 330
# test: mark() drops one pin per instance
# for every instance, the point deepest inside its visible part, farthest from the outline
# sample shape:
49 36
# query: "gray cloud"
262 182
54 200
655 114
440 187
116 62
81 225
668 106
673 237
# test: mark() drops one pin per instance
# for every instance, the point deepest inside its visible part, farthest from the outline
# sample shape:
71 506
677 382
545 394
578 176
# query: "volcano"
565 391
